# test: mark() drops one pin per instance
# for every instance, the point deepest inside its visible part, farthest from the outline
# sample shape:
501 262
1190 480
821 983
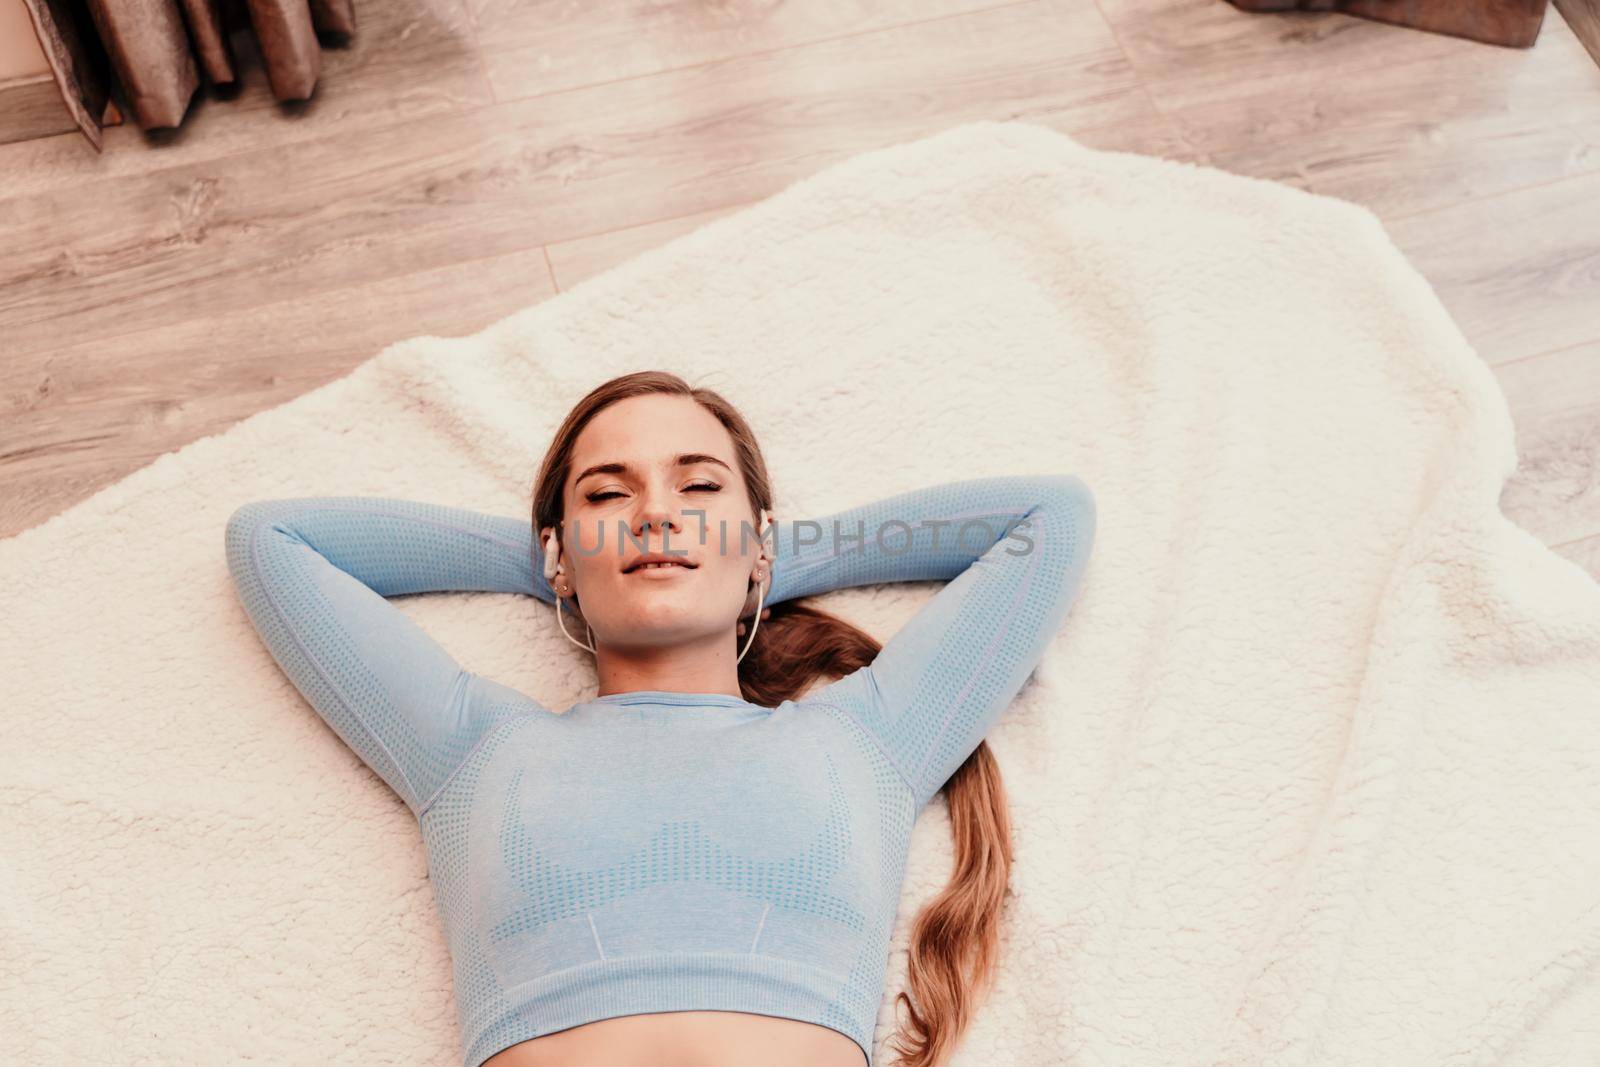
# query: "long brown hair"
954 940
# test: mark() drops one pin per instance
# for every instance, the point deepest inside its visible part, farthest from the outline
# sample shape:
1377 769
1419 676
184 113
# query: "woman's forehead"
648 433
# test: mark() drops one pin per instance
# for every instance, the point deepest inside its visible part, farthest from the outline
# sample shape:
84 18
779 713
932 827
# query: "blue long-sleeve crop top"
658 851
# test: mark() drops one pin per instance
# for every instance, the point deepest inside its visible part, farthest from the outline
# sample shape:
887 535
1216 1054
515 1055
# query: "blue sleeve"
1014 550
312 574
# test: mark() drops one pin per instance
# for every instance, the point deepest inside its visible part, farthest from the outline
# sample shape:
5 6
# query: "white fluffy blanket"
1309 777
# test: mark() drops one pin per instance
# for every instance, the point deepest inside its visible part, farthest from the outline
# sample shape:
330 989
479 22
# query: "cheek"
722 582
730 536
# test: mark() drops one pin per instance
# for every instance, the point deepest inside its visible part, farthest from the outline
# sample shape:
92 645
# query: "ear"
764 555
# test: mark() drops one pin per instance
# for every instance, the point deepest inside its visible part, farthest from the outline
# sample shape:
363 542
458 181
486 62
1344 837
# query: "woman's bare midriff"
686 1039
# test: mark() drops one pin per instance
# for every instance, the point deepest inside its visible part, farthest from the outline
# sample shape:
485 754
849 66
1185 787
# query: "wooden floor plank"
78 419
1555 493
534 48
1455 121
1519 272
359 207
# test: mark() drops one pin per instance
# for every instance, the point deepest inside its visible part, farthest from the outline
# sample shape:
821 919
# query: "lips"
670 563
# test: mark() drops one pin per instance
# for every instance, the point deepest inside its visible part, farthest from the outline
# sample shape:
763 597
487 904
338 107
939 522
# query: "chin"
664 612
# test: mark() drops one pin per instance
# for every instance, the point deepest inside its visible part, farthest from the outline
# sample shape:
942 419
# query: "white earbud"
552 568
761 595
551 551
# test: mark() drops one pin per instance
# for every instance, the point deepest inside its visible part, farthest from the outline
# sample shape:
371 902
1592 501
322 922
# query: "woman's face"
667 461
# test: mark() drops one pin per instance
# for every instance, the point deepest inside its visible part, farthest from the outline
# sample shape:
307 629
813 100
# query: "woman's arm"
312 574
1014 549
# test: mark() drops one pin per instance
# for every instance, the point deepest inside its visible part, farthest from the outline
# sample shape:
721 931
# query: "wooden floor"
466 158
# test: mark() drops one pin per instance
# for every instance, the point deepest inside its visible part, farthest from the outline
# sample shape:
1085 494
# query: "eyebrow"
683 459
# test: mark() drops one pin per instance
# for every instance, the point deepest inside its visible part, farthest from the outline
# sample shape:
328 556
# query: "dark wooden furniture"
1513 23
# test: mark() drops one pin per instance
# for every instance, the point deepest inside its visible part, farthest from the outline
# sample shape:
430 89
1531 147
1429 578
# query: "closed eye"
609 493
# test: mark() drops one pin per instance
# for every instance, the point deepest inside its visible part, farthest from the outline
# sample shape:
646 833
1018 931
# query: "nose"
653 516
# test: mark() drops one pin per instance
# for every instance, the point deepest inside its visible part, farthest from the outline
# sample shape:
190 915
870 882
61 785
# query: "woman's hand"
765 613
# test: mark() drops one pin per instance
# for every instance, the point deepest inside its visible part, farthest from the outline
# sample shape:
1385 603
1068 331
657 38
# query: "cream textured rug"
1311 775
